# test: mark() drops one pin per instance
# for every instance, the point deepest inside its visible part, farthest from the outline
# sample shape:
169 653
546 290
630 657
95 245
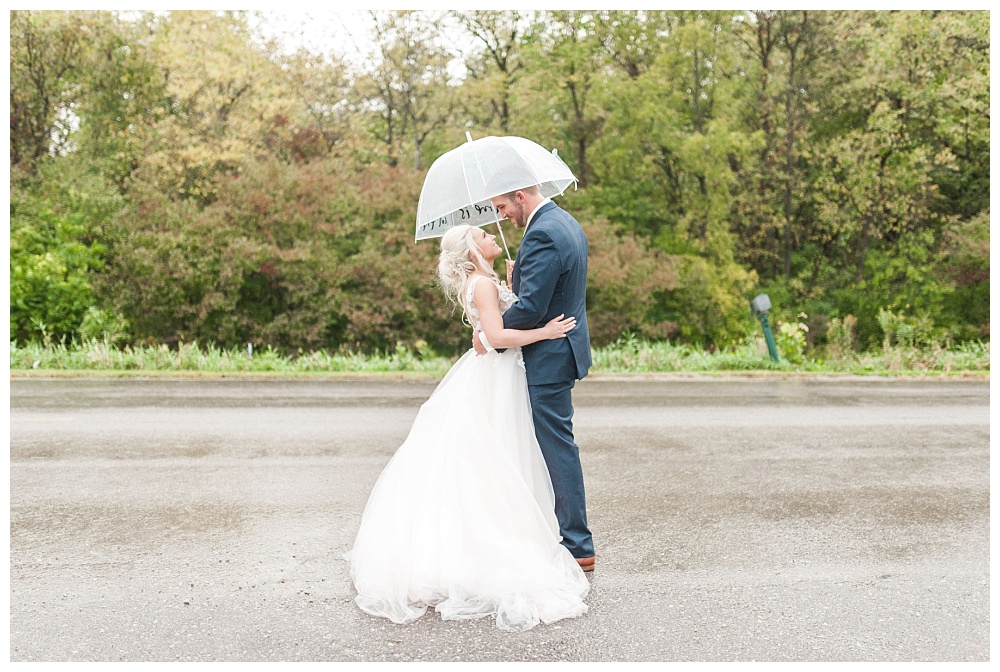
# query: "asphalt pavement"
840 519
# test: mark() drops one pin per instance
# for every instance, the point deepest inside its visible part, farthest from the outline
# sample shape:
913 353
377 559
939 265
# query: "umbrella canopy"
460 184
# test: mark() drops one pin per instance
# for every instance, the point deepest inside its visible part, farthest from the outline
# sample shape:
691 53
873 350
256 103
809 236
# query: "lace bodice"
507 299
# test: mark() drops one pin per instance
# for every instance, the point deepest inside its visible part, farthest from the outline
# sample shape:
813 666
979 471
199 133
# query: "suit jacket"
550 278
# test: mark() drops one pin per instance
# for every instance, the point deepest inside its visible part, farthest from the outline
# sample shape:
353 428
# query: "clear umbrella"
460 184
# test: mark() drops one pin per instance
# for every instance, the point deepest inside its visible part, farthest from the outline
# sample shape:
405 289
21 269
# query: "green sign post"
760 305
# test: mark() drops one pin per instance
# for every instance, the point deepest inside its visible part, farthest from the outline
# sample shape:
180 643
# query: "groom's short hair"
533 190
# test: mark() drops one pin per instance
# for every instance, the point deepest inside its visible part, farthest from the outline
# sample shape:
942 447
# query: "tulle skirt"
462 517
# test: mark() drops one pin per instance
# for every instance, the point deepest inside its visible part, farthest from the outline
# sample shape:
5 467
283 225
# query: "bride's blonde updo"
460 259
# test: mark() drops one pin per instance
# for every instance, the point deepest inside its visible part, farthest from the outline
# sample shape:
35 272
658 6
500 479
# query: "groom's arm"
539 270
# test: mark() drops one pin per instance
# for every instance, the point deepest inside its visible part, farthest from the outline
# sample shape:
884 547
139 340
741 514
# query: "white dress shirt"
537 208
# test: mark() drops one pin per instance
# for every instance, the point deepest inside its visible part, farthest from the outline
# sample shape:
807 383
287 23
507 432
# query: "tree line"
177 177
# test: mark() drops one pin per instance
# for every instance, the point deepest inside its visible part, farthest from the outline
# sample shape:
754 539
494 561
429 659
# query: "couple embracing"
481 510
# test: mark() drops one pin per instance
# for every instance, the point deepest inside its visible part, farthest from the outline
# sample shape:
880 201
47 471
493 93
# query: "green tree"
666 166
565 76
122 95
45 59
496 69
82 97
793 60
223 87
408 85
327 103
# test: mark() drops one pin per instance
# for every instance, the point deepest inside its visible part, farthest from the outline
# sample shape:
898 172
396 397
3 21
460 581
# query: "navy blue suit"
550 279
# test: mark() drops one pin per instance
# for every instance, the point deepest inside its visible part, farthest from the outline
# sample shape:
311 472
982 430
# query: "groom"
550 279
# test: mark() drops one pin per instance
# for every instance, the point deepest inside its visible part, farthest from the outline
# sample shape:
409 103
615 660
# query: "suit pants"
552 413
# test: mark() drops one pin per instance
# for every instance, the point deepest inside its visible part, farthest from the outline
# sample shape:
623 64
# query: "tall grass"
629 355
192 357
626 356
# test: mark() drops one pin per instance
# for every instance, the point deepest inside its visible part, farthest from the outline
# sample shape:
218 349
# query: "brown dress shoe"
586 564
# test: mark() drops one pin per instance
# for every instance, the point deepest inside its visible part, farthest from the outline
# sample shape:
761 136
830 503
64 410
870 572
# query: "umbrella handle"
500 229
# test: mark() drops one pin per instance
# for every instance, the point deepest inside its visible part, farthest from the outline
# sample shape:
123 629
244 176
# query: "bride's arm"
488 304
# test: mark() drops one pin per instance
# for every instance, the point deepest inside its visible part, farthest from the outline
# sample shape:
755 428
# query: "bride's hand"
557 327
477 344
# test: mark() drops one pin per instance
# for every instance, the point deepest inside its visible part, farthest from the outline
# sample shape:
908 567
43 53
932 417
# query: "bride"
462 518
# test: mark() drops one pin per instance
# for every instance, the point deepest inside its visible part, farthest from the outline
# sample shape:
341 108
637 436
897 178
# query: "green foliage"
178 178
298 256
49 276
125 97
841 337
629 285
57 246
909 332
899 278
790 340
102 325
46 67
317 256
711 306
966 268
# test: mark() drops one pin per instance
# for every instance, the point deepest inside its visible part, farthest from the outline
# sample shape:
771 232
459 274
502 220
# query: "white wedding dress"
462 518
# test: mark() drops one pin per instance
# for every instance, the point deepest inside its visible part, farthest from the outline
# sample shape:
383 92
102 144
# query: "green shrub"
840 338
50 266
790 340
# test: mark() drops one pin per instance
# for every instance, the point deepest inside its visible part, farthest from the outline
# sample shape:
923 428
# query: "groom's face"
511 209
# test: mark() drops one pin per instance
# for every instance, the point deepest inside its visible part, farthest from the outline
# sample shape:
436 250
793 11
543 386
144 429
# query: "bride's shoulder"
482 289
476 277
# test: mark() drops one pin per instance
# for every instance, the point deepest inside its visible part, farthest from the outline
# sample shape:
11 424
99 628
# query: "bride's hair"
460 259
